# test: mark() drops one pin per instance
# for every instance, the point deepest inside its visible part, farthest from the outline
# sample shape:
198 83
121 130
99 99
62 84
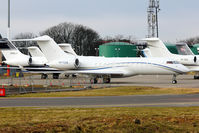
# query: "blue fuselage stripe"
163 66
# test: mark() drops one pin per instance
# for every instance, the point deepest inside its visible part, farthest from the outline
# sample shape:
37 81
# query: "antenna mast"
152 11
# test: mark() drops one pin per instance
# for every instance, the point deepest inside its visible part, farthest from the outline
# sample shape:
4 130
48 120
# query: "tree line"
84 40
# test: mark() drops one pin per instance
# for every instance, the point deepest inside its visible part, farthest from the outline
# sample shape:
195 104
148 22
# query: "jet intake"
195 59
30 61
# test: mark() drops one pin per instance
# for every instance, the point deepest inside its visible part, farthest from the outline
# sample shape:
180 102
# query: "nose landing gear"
174 81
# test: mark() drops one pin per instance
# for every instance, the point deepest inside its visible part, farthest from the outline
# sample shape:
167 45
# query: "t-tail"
35 52
157 48
12 55
56 57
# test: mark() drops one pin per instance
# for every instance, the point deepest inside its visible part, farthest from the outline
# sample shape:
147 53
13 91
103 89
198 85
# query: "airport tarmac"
162 81
105 101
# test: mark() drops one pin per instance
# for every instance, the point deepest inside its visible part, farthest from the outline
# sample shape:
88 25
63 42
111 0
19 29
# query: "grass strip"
97 120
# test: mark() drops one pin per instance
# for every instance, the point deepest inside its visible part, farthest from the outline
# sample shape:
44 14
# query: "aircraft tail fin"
48 46
35 52
9 50
157 47
66 47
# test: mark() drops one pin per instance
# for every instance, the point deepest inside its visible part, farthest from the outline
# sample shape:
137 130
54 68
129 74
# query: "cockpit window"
173 62
183 49
176 62
169 62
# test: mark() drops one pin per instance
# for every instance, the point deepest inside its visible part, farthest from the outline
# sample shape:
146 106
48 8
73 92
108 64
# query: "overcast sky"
178 19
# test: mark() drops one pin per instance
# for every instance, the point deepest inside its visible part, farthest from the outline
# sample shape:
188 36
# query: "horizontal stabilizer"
37 39
35 52
150 39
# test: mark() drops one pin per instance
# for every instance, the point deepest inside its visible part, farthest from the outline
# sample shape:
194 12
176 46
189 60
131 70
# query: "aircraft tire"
174 81
44 76
196 77
67 76
55 76
95 80
106 80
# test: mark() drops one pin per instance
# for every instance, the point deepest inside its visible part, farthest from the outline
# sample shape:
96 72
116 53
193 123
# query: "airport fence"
34 84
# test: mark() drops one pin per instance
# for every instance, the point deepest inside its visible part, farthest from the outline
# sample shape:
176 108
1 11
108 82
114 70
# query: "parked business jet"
105 67
156 48
35 61
15 58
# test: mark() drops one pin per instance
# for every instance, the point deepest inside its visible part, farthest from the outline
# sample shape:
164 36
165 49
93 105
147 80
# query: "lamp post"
8 32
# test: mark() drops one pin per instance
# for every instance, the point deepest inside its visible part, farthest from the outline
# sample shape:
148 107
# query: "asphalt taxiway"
184 81
105 101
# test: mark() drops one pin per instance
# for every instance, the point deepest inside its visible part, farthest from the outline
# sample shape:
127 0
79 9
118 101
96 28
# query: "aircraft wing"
34 69
193 68
95 72
53 70
15 68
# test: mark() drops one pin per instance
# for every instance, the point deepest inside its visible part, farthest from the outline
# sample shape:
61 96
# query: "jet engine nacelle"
65 64
187 60
37 61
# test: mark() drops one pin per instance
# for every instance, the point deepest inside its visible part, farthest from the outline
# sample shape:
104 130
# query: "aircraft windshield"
183 49
173 62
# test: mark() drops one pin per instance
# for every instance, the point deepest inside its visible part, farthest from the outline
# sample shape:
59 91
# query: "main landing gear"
55 75
44 76
196 76
105 80
174 81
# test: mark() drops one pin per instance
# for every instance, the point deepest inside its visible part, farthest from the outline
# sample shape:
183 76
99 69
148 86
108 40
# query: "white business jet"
36 61
156 48
105 67
15 58
36 53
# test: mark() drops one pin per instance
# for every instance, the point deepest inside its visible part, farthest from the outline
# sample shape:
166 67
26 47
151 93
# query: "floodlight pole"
8 30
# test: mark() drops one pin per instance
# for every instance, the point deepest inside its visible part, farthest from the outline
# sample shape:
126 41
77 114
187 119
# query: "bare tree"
81 37
23 45
61 33
84 39
191 41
